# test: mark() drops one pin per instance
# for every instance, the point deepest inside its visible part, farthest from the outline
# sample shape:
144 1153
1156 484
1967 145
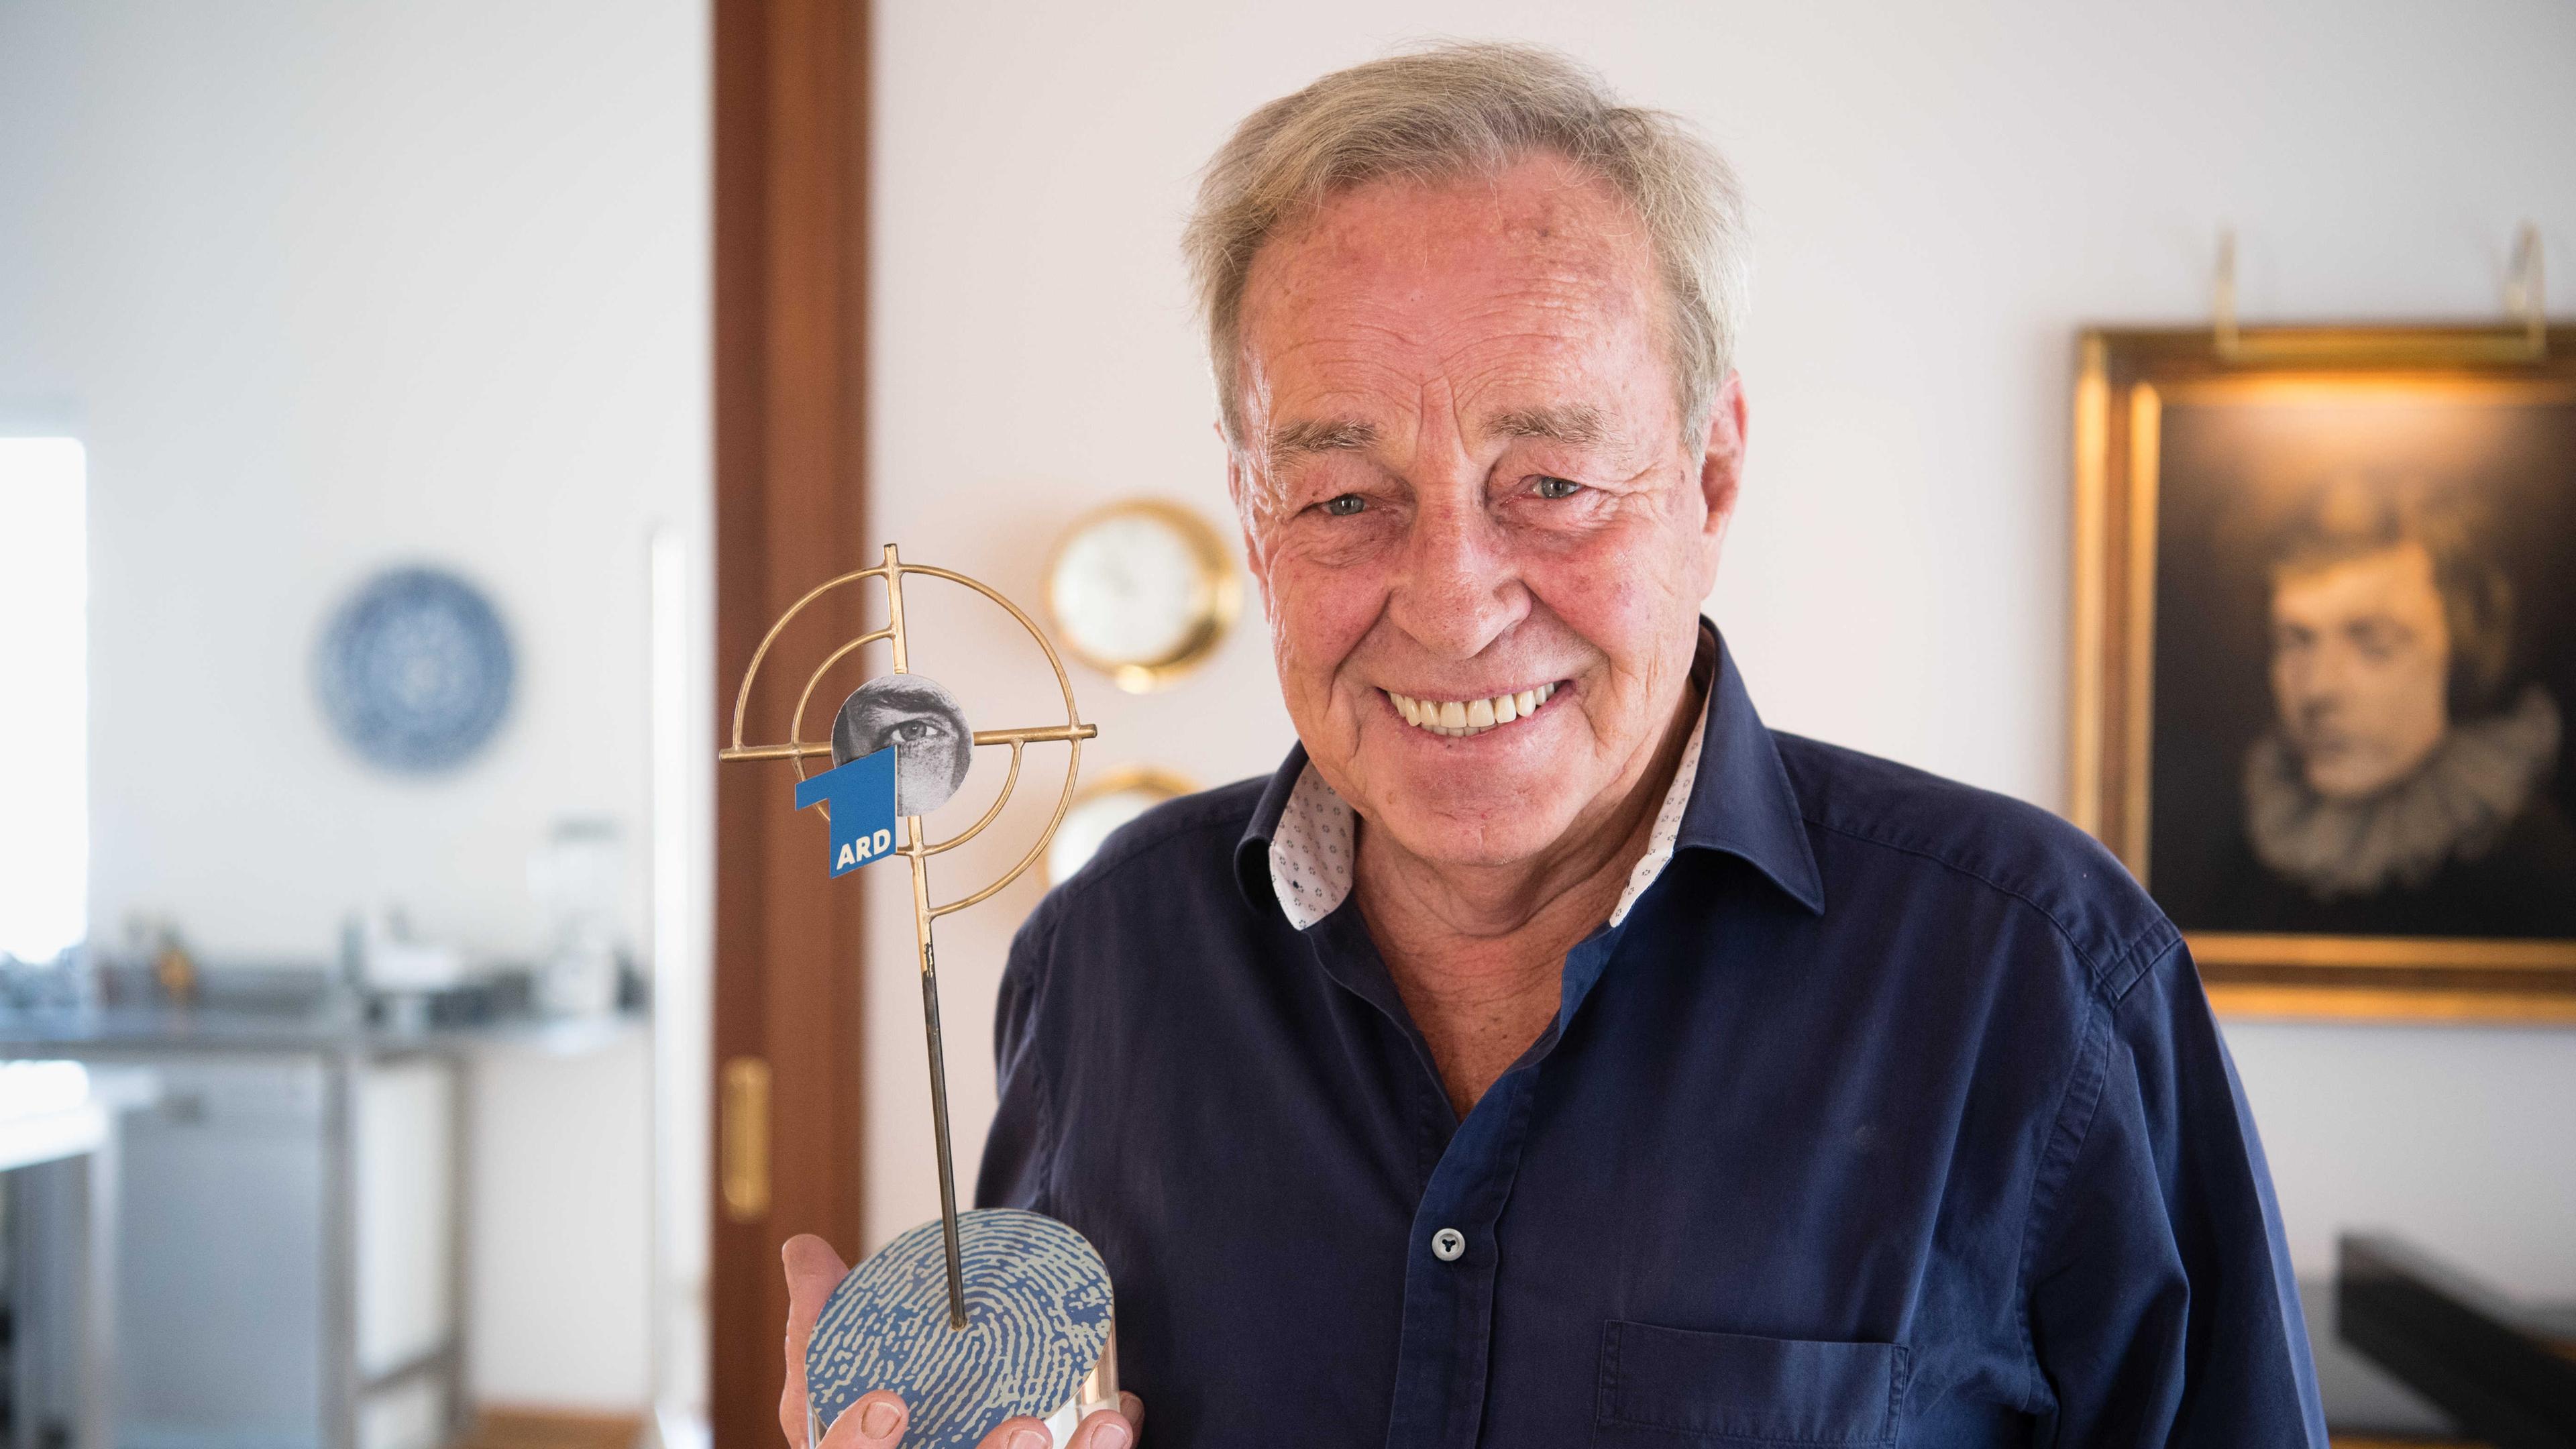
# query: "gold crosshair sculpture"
915 848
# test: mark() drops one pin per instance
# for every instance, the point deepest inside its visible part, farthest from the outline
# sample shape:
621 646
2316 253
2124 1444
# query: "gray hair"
1472 109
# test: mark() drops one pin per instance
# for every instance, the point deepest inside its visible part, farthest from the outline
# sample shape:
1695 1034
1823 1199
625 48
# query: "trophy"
982 1315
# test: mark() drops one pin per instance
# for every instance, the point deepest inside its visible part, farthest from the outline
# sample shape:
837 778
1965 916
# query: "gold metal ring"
799 749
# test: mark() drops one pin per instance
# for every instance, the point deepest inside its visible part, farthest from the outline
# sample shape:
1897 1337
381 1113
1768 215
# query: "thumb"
813 1271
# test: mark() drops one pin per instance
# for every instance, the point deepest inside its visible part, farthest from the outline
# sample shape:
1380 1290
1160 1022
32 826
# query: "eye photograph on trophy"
837 724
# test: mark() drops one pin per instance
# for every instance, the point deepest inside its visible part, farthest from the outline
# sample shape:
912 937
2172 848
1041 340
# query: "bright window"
44 698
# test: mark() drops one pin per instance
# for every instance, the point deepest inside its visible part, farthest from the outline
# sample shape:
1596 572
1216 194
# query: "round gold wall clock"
1101 807
1143 591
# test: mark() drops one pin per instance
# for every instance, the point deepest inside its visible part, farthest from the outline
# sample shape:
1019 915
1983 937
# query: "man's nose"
1459 590
2318 692
2329 676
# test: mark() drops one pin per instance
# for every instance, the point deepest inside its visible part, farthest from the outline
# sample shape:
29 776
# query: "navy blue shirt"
1891 1111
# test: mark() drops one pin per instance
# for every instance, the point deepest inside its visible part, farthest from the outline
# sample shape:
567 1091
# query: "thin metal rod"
921 914
2523 291
938 1073
2222 297
816 750
775 752
894 610
1038 735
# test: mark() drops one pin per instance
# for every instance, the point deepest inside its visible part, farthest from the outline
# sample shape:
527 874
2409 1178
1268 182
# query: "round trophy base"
1037 1326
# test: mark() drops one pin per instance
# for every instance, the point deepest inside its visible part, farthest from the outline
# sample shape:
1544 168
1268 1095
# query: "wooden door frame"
790 159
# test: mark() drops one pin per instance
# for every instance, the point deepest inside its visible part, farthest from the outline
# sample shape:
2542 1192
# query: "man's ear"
1234 479
1238 487
1721 467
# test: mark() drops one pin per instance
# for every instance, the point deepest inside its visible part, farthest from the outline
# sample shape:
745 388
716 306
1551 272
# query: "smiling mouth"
1460 718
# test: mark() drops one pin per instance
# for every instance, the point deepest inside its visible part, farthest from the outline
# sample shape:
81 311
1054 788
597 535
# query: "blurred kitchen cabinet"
407 1151
58 1153
290 1254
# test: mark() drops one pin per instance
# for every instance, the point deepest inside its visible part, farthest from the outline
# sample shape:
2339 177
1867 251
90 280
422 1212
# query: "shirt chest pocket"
1734 1389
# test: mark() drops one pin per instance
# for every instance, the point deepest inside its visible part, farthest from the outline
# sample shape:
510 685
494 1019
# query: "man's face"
1463 478
2360 657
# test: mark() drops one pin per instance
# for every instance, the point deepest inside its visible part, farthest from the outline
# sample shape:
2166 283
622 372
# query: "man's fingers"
813 1271
1105 1430
1022 1433
876 1421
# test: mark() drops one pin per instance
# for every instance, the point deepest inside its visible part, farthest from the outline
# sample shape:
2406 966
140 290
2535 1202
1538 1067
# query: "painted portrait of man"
2404 779
2362 646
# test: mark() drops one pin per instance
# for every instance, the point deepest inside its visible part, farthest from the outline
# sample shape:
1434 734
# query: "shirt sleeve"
1017 1150
2163 1309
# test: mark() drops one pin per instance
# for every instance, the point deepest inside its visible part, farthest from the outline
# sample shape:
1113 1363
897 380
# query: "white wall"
1943 195
325 287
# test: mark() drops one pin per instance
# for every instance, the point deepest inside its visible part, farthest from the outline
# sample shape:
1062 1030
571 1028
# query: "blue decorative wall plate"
1037 1318
414 670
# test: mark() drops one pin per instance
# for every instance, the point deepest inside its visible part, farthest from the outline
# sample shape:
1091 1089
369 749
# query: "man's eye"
1558 487
914 729
2378 641
1345 505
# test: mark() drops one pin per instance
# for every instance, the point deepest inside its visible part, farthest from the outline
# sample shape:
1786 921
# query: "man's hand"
876 1421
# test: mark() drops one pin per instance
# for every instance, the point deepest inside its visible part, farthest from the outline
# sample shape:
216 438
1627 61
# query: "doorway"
790 117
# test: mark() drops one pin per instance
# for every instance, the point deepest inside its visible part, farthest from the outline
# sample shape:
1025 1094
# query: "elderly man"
1549 1053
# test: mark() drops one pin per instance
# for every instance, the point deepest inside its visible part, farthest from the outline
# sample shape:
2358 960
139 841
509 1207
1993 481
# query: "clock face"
1098 814
1131 588
1142 591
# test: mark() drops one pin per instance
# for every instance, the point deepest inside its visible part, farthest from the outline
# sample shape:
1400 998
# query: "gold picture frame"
2132 388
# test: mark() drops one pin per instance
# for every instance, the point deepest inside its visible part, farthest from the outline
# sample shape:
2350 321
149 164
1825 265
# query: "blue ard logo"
860 795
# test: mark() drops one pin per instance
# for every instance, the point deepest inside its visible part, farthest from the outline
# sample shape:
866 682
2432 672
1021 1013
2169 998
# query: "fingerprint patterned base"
1037 1311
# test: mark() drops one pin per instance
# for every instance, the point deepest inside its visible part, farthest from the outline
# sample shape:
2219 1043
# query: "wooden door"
790 100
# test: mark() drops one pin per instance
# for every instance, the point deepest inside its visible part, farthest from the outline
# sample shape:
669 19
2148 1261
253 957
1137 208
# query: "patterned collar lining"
1311 851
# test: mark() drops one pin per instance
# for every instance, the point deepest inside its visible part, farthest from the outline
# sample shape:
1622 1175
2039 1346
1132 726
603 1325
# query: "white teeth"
1457 719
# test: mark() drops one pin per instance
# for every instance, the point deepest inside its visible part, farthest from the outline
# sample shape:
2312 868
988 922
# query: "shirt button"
1448 1245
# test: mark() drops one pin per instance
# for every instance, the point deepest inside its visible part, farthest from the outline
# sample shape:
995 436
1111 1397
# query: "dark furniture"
2505 1371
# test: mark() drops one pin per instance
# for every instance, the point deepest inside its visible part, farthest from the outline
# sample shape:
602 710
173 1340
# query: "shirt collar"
1730 794
1742 804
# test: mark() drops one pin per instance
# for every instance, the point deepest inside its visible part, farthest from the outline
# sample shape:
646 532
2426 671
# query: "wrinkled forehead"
1536 280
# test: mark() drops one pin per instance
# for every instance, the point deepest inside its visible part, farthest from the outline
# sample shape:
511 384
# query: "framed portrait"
2325 659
